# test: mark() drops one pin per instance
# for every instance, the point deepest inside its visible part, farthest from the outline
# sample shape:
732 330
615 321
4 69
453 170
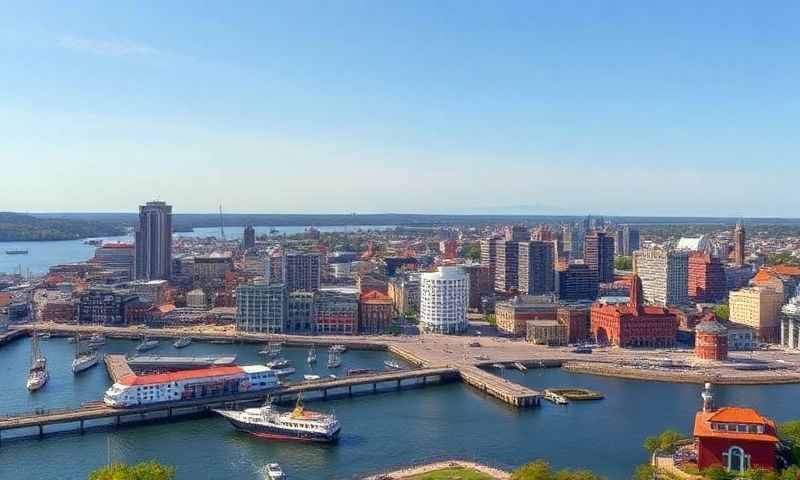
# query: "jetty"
161 363
500 388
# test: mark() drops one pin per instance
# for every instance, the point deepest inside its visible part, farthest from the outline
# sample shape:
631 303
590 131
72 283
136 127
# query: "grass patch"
457 473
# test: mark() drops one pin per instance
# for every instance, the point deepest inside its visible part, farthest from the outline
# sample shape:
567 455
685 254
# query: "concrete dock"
509 392
117 367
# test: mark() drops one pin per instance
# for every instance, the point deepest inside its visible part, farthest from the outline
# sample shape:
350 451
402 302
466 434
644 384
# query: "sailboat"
272 349
37 375
84 359
334 358
146 344
312 355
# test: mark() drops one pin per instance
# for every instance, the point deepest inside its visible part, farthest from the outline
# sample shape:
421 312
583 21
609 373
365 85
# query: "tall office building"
517 233
664 275
630 240
154 241
706 278
301 271
577 282
507 266
598 253
117 258
738 244
619 242
489 256
536 262
249 239
261 307
444 296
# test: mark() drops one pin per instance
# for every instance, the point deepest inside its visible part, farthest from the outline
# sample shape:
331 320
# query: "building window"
736 460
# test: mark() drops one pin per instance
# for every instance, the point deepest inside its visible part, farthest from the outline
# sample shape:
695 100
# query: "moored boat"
146 345
312 356
334 359
299 424
84 358
182 342
392 365
310 377
279 363
37 374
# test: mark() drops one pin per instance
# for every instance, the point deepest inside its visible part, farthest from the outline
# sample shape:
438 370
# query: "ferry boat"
20 251
146 345
274 472
37 375
299 424
182 342
84 359
135 390
334 359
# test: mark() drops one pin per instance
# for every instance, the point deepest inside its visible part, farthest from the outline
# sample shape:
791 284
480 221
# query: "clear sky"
651 108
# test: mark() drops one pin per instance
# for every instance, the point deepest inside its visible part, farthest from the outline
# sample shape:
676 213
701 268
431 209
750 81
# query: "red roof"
789 270
131 380
374 296
736 415
702 424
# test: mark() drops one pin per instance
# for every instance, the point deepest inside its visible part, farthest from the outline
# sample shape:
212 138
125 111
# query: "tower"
636 300
738 244
708 398
154 242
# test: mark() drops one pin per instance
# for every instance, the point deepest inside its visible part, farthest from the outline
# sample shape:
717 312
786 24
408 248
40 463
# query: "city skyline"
620 109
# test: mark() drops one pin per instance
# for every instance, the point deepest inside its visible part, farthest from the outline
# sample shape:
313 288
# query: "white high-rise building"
664 274
444 296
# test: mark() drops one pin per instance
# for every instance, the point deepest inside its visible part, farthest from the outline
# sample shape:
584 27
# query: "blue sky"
640 108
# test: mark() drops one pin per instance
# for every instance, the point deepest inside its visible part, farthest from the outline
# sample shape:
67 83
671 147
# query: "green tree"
783 258
490 318
722 311
664 441
716 473
472 251
644 472
139 471
538 470
790 434
791 473
623 263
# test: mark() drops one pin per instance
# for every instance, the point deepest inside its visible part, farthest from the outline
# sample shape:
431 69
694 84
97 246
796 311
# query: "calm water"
44 254
379 431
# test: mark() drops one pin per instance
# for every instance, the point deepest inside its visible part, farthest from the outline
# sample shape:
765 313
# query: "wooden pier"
117 367
325 389
509 392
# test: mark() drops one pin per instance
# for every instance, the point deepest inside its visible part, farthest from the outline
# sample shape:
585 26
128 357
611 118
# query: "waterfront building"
577 320
249 238
757 307
105 306
336 311
546 332
299 319
630 240
634 324
790 324
706 278
152 291
737 439
261 307
196 298
375 313
154 241
116 257
598 254
711 339
444 296
536 260
664 275
511 315
507 266
479 284
404 292
739 245
58 310
784 279
577 282
301 271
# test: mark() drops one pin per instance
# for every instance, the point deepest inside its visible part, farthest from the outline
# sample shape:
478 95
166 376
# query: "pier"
322 389
500 388
117 367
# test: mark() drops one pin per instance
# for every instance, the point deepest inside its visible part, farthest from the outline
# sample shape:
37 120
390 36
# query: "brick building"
375 313
577 321
711 339
335 312
706 280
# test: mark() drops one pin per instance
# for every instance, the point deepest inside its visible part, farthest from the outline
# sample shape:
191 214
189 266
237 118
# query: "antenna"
221 225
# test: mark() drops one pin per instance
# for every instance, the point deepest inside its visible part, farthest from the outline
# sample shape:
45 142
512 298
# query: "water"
44 254
379 431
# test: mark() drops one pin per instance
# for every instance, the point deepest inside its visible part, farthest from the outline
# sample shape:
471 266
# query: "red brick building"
633 325
375 313
706 278
577 321
738 439
711 339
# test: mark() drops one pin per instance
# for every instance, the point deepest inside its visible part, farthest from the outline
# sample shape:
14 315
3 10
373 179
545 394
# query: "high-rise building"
664 275
517 233
706 279
249 239
598 253
444 296
738 244
536 273
479 283
630 240
261 307
154 241
757 307
301 271
619 242
489 256
118 258
577 282
507 266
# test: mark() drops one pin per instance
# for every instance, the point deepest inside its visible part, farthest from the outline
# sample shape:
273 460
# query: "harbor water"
379 432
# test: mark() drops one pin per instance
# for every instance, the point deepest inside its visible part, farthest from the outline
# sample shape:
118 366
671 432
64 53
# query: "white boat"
37 375
84 359
146 345
272 349
274 472
282 372
182 342
96 340
311 377
44 335
339 348
312 356
392 365
279 363
334 359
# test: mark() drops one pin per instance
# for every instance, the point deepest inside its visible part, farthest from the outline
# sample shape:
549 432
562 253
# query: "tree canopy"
664 441
541 470
139 471
722 311
623 263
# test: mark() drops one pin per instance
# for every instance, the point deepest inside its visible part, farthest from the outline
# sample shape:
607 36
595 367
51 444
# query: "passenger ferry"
135 390
299 424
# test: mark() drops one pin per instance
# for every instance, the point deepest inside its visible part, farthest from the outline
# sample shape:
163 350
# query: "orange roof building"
375 312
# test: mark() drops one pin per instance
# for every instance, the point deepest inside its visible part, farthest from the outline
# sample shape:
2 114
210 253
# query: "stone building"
546 332
512 315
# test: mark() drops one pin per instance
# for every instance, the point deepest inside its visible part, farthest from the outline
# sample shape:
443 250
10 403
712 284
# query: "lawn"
457 473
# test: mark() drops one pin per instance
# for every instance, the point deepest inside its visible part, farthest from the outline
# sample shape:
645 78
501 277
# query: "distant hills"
21 227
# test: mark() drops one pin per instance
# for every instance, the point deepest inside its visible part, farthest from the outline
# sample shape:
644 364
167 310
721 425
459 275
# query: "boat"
334 359
182 342
312 355
97 340
84 359
272 349
311 377
44 335
359 371
146 345
332 376
282 372
392 365
582 349
338 348
274 472
299 424
136 390
279 363
20 251
37 374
